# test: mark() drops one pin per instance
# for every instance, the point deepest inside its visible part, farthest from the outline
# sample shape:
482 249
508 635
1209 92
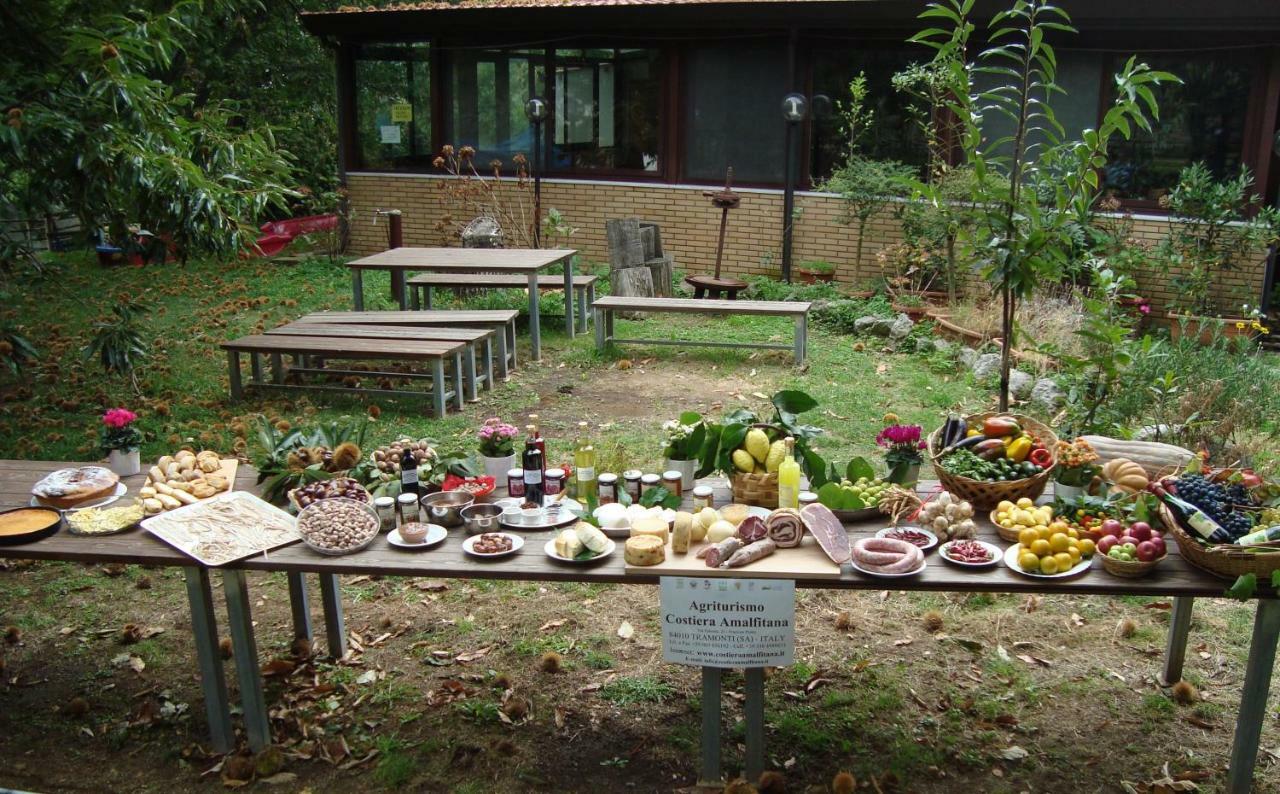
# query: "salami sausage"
750 553
722 551
752 529
828 531
785 528
887 555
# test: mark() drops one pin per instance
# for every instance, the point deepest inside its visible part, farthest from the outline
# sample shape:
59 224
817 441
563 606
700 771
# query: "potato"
153 505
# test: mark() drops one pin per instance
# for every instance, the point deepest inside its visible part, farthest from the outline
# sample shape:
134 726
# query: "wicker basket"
986 495
1007 534
1225 560
1129 570
755 489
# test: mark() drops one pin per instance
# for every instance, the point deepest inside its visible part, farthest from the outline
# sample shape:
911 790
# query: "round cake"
66 488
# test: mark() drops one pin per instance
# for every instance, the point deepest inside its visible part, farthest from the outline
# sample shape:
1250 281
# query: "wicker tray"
1224 560
1007 534
1129 570
985 495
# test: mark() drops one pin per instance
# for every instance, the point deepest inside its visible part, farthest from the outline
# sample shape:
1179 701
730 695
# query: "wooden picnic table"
1175 577
524 261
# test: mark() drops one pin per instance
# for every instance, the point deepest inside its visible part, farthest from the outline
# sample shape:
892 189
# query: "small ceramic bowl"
413 532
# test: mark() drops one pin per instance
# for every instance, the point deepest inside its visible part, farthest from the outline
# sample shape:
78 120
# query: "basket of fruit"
989 458
1012 519
1132 551
1236 535
755 462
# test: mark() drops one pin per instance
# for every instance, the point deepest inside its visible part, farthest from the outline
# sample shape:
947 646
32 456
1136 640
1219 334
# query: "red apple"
1147 551
1158 542
1112 527
1127 538
1106 542
1140 530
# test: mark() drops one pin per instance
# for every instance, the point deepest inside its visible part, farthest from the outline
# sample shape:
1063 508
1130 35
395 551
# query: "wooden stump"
635 282
660 271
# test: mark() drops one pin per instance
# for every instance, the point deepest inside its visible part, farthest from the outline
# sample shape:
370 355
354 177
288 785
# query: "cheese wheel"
721 530
568 545
651 526
644 550
735 514
680 533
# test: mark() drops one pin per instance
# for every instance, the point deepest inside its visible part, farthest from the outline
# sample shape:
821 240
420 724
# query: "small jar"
553 482
386 509
407 508
607 489
648 482
703 497
515 482
631 484
673 481
807 498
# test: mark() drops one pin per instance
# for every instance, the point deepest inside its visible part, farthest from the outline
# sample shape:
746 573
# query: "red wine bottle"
533 462
408 472
1193 518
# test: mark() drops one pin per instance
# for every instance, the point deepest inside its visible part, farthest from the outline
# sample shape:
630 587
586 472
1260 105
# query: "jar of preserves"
631 484
385 506
807 498
607 493
407 508
648 482
515 482
553 482
703 497
673 481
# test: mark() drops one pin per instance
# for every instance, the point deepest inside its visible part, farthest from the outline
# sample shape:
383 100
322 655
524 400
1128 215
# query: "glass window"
1201 120
486 93
607 109
893 135
733 115
393 107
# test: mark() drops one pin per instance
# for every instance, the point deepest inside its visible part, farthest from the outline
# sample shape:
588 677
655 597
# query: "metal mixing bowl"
445 507
481 518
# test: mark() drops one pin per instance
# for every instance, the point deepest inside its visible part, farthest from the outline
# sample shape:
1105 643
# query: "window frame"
353 159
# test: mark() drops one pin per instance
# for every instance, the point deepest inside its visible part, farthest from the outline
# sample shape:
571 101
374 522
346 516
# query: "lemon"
1075 554
1059 542
1028 562
1026 503
1059 526
1041 548
1002 515
1049 566
1043 533
1087 547
1005 506
1028 536
1064 561
1072 533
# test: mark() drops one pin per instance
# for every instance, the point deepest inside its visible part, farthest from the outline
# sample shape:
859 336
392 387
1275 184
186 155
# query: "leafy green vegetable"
858 468
837 498
1244 588
659 496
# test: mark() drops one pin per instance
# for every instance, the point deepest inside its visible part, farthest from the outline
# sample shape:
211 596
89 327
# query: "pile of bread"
182 479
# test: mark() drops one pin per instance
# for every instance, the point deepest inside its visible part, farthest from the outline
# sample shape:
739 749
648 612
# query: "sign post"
718 623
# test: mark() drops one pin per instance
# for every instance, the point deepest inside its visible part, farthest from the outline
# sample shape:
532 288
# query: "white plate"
550 549
923 564
563 518
933 539
994 550
435 534
758 512
121 490
1011 560
517 543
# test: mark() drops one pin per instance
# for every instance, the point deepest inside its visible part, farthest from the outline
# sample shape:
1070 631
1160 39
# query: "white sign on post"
727 622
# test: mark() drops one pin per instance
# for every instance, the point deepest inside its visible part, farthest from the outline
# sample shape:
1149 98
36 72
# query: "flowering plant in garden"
497 438
118 430
1252 320
903 448
1077 463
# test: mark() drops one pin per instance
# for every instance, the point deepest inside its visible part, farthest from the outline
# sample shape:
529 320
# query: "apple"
1158 542
1112 527
1140 530
1105 543
1147 551
1129 540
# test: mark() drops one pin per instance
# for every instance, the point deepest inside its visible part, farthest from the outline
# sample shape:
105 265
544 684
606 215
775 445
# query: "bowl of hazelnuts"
338 526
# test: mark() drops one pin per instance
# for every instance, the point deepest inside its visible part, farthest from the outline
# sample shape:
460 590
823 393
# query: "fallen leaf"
551 624
759 395
1076 619
471 657
1032 603
967 644
1002 653
625 631
1158 605
131 661
902 642
559 717
279 667
815 682
1200 723
882 368
279 778
1014 753
1034 660
367 677
432 587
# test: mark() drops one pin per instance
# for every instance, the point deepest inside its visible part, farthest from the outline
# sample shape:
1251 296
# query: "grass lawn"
911 692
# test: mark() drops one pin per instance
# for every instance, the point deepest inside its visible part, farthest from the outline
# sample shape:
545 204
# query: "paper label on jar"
586 474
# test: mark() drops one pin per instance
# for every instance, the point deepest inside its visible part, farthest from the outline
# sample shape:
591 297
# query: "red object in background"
476 486
278 234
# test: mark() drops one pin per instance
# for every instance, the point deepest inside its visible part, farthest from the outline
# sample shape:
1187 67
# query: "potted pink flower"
903 451
119 439
497 447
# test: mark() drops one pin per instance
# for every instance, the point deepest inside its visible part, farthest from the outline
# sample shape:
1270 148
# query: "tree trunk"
660 271
636 282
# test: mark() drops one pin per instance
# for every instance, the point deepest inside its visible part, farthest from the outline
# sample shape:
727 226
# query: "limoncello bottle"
584 464
789 478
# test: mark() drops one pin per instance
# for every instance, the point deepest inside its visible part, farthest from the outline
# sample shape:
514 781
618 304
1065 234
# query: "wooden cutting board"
806 560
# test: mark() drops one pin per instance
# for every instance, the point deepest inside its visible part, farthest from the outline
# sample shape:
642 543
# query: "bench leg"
802 338
1176 649
437 386
357 289
460 389
582 310
608 325
334 628
245 648
415 297
591 298
488 363
213 682
277 368
427 299
511 341
469 364
398 289
299 606
569 324
255 368
501 336
233 374
599 331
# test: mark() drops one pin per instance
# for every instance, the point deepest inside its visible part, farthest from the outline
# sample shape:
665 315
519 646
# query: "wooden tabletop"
702 305
345 346
510 260
407 332
1174 576
413 317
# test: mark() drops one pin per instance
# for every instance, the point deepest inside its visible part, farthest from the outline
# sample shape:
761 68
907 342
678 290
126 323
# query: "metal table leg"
398 290
357 289
469 367
1176 650
710 772
754 710
245 647
1253 698
300 606
460 389
213 682
568 297
331 598
233 374
599 331
535 323
437 386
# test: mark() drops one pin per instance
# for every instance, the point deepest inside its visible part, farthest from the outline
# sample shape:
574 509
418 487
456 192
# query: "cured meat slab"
808 561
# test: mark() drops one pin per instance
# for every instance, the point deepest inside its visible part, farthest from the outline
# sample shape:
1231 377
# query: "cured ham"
719 552
750 553
786 528
752 529
828 531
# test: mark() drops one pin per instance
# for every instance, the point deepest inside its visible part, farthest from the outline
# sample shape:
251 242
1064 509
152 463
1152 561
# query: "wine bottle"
1193 517
408 472
584 463
1258 536
533 462
538 440
789 478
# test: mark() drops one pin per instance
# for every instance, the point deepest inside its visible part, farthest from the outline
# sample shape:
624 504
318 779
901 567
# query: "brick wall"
690 225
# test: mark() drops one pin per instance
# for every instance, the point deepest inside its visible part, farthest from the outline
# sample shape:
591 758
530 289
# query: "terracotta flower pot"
916 313
1203 329
813 276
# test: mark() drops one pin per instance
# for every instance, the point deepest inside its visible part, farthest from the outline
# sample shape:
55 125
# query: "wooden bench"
606 306
481 364
500 319
420 286
325 347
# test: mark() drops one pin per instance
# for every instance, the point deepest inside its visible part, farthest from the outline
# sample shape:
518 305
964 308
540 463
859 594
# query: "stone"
1020 384
942 346
1155 432
1047 395
872 325
987 366
967 357
901 327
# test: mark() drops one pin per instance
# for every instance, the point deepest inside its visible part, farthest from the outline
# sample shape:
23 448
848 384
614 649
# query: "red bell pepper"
1041 457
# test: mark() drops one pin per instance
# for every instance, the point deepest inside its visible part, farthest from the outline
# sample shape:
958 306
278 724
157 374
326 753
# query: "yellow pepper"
1019 449
973 431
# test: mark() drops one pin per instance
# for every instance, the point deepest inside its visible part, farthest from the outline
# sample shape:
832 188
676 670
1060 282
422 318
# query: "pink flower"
119 417
1145 308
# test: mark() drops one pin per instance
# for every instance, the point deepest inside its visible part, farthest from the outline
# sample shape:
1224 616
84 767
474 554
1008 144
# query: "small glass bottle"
703 497
673 481
648 482
515 482
386 509
553 482
584 463
631 484
407 508
608 491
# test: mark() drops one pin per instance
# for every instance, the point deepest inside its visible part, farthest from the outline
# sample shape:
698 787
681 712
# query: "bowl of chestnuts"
304 496
338 526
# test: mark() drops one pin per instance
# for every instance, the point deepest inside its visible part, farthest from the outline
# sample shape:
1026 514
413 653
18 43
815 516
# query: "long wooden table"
1175 577
527 262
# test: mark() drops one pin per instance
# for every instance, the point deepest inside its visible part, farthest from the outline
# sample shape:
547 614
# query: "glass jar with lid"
607 490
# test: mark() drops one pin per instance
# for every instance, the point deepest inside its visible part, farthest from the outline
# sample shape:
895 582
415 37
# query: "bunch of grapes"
1238 494
1216 501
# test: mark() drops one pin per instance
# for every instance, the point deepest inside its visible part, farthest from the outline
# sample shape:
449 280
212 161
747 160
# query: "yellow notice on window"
401 112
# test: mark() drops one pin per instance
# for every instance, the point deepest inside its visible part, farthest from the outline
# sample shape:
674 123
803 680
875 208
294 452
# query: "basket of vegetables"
989 458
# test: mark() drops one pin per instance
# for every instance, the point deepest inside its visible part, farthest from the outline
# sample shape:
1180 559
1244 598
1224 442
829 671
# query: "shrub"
763 288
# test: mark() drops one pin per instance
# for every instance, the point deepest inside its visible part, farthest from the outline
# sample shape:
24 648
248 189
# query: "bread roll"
644 550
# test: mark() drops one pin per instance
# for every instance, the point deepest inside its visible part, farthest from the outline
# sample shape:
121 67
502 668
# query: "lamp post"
794 109
536 111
